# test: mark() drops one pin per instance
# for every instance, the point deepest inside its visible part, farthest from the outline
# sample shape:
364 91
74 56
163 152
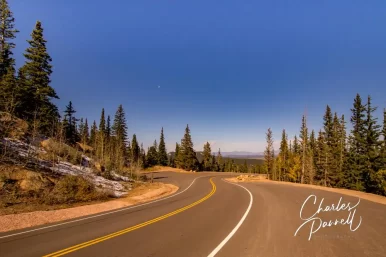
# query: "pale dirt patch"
366 196
140 194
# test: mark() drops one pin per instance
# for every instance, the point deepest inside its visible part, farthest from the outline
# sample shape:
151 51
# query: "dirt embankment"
366 196
143 193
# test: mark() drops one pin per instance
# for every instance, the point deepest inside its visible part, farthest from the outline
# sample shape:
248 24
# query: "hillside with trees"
331 156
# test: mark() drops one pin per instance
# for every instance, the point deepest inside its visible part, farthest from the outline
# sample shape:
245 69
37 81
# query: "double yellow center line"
127 230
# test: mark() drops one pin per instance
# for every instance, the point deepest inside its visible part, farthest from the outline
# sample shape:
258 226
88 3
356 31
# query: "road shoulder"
365 196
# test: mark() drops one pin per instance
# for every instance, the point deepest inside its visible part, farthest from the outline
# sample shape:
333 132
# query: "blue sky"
230 69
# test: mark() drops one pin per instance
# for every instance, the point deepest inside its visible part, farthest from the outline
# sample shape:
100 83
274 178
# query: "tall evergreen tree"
219 161
296 146
372 147
119 131
101 147
93 135
283 156
7 34
135 150
85 133
356 162
304 147
163 156
187 154
108 129
71 133
152 156
269 155
35 82
177 157
102 122
207 157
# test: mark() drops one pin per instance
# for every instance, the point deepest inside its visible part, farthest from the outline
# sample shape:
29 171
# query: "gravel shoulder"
366 196
141 194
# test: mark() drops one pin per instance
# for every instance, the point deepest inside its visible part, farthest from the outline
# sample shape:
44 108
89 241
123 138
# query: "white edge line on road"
99 215
221 245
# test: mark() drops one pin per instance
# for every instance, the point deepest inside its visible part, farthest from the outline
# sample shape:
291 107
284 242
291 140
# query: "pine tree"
152 155
328 137
135 150
108 129
342 151
163 156
296 147
269 155
356 162
322 153
283 156
304 147
102 122
101 137
313 157
119 131
85 133
372 147
207 157
219 161
335 176
177 158
34 80
93 135
187 154
7 34
70 125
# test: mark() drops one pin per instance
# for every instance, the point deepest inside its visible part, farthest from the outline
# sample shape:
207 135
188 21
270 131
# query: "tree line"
332 157
185 157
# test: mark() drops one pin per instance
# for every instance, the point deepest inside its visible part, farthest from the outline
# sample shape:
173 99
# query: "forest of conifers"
331 156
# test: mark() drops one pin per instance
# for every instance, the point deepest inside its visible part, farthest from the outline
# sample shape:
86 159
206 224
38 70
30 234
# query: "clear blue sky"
230 69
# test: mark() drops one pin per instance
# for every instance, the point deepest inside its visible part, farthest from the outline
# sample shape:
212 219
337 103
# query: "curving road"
211 217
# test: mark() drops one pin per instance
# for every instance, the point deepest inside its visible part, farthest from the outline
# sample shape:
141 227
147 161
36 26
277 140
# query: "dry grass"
163 169
23 190
366 196
143 193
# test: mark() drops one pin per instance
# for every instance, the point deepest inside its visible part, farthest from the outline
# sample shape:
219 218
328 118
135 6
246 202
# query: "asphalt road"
216 219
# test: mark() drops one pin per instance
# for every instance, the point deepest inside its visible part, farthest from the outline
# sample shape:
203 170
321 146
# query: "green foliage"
207 157
119 132
93 135
372 147
135 149
7 34
356 161
69 124
162 154
187 156
152 157
34 84
269 155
